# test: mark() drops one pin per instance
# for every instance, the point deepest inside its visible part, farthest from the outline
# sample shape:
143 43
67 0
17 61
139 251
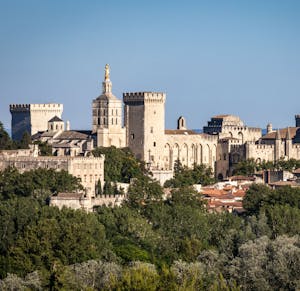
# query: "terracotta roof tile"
214 192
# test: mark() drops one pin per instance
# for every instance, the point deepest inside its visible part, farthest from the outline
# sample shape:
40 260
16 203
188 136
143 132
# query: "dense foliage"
183 176
152 242
120 164
6 143
250 166
36 183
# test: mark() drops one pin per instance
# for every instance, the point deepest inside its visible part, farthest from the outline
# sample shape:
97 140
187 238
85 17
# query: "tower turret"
269 128
297 118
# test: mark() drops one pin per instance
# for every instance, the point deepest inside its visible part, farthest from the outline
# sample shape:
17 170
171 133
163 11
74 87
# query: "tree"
255 198
247 168
183 176
25 141
143 191
5 140
45 149
120 165
140 276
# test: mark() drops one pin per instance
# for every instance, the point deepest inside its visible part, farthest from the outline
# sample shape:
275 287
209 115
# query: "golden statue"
106 72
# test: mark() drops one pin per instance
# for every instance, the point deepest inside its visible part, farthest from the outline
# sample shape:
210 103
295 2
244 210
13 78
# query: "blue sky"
210 57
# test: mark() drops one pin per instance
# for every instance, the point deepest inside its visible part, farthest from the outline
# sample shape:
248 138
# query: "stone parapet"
144 97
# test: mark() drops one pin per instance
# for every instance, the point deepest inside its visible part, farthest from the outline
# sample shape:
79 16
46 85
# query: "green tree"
183 176
25 141
5 140
255 198
247 168
45 149
120 165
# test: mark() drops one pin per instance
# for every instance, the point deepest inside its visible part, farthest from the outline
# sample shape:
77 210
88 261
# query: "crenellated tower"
145 123
32 118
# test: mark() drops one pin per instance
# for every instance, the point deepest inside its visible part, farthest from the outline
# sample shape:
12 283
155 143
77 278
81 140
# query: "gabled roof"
72 134
55 119
282 133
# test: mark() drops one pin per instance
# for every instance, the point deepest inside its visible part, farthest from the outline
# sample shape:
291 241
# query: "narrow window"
154 144
132 136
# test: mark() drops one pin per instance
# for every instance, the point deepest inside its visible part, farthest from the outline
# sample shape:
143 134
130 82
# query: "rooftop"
55 119
282 132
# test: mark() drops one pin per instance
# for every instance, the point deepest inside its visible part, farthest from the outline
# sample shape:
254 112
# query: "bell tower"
107 116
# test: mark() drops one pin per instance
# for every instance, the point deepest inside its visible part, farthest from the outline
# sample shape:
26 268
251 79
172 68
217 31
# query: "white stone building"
32 118
89 170
107 116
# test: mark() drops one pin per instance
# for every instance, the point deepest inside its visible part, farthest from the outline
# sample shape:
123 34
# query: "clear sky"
210 57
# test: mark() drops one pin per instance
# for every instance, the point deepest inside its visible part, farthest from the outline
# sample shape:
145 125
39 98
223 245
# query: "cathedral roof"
107 96
72 134
282 132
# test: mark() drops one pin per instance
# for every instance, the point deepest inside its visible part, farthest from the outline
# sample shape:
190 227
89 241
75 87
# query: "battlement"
144 97
263 146
46 106
19 107
28 107
242 128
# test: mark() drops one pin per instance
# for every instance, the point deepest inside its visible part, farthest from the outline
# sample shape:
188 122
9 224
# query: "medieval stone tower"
32 118
145 123
107 116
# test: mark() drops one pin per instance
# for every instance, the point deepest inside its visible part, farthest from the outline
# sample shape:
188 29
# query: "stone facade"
107 116
160 148
79 201
225 141
88 169
275 145
32 118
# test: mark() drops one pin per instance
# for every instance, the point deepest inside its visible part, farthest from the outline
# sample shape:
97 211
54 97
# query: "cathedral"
138 122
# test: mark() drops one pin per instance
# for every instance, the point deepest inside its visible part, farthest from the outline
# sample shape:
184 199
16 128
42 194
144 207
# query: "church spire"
106 85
